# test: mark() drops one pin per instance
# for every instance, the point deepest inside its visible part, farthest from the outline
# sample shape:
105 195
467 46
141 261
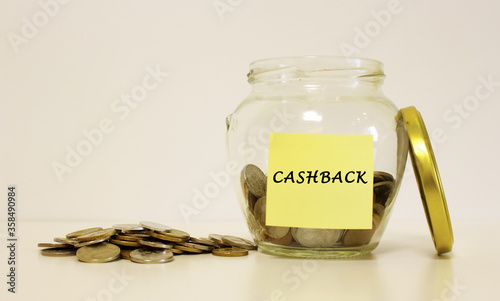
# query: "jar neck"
311 74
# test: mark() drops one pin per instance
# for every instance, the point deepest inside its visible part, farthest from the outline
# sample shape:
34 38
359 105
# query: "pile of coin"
146 242
254 187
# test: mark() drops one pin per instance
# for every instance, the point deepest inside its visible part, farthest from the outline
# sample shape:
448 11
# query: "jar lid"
428 180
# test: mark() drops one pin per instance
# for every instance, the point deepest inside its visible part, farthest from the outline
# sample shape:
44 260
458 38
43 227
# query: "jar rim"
315 66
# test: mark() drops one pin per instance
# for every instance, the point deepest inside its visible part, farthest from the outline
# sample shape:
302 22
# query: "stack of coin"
146 242
254 187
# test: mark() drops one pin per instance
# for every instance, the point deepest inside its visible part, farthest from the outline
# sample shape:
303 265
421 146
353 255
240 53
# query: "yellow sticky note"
320 181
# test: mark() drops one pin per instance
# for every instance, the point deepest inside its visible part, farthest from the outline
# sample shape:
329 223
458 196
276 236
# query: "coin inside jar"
383 191
316 238
357 237
254 179
260 215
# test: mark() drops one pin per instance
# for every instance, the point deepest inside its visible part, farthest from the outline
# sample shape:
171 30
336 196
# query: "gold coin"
90 242
229 252
187 249
125 243
197 246
174 235
176 251
126 237
58 252
378 209
134 232
357 237
254 179
97 235
239 242
82 232
156 226
217 238
151 255
68 241
377 178
125 253
102 252
54 245
385 175
137 235
155 243
260 215
203 241
383 191
249 197
260 211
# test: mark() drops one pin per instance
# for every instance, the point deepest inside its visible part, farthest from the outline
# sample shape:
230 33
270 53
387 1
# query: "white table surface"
403 267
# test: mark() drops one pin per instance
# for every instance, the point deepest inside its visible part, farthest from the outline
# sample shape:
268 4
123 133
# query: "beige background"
64 66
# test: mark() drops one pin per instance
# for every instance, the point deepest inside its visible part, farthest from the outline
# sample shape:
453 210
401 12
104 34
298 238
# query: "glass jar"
279 137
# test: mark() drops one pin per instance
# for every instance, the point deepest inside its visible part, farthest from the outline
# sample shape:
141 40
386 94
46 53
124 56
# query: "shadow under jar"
318 97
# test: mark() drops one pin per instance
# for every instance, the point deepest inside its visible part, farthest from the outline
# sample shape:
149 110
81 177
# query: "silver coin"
127 227
203 241
197 246
156 226
151 255
155 243
316 238
239 242
254 179
68 241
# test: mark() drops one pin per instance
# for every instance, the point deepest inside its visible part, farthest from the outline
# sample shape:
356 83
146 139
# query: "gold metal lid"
428 179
